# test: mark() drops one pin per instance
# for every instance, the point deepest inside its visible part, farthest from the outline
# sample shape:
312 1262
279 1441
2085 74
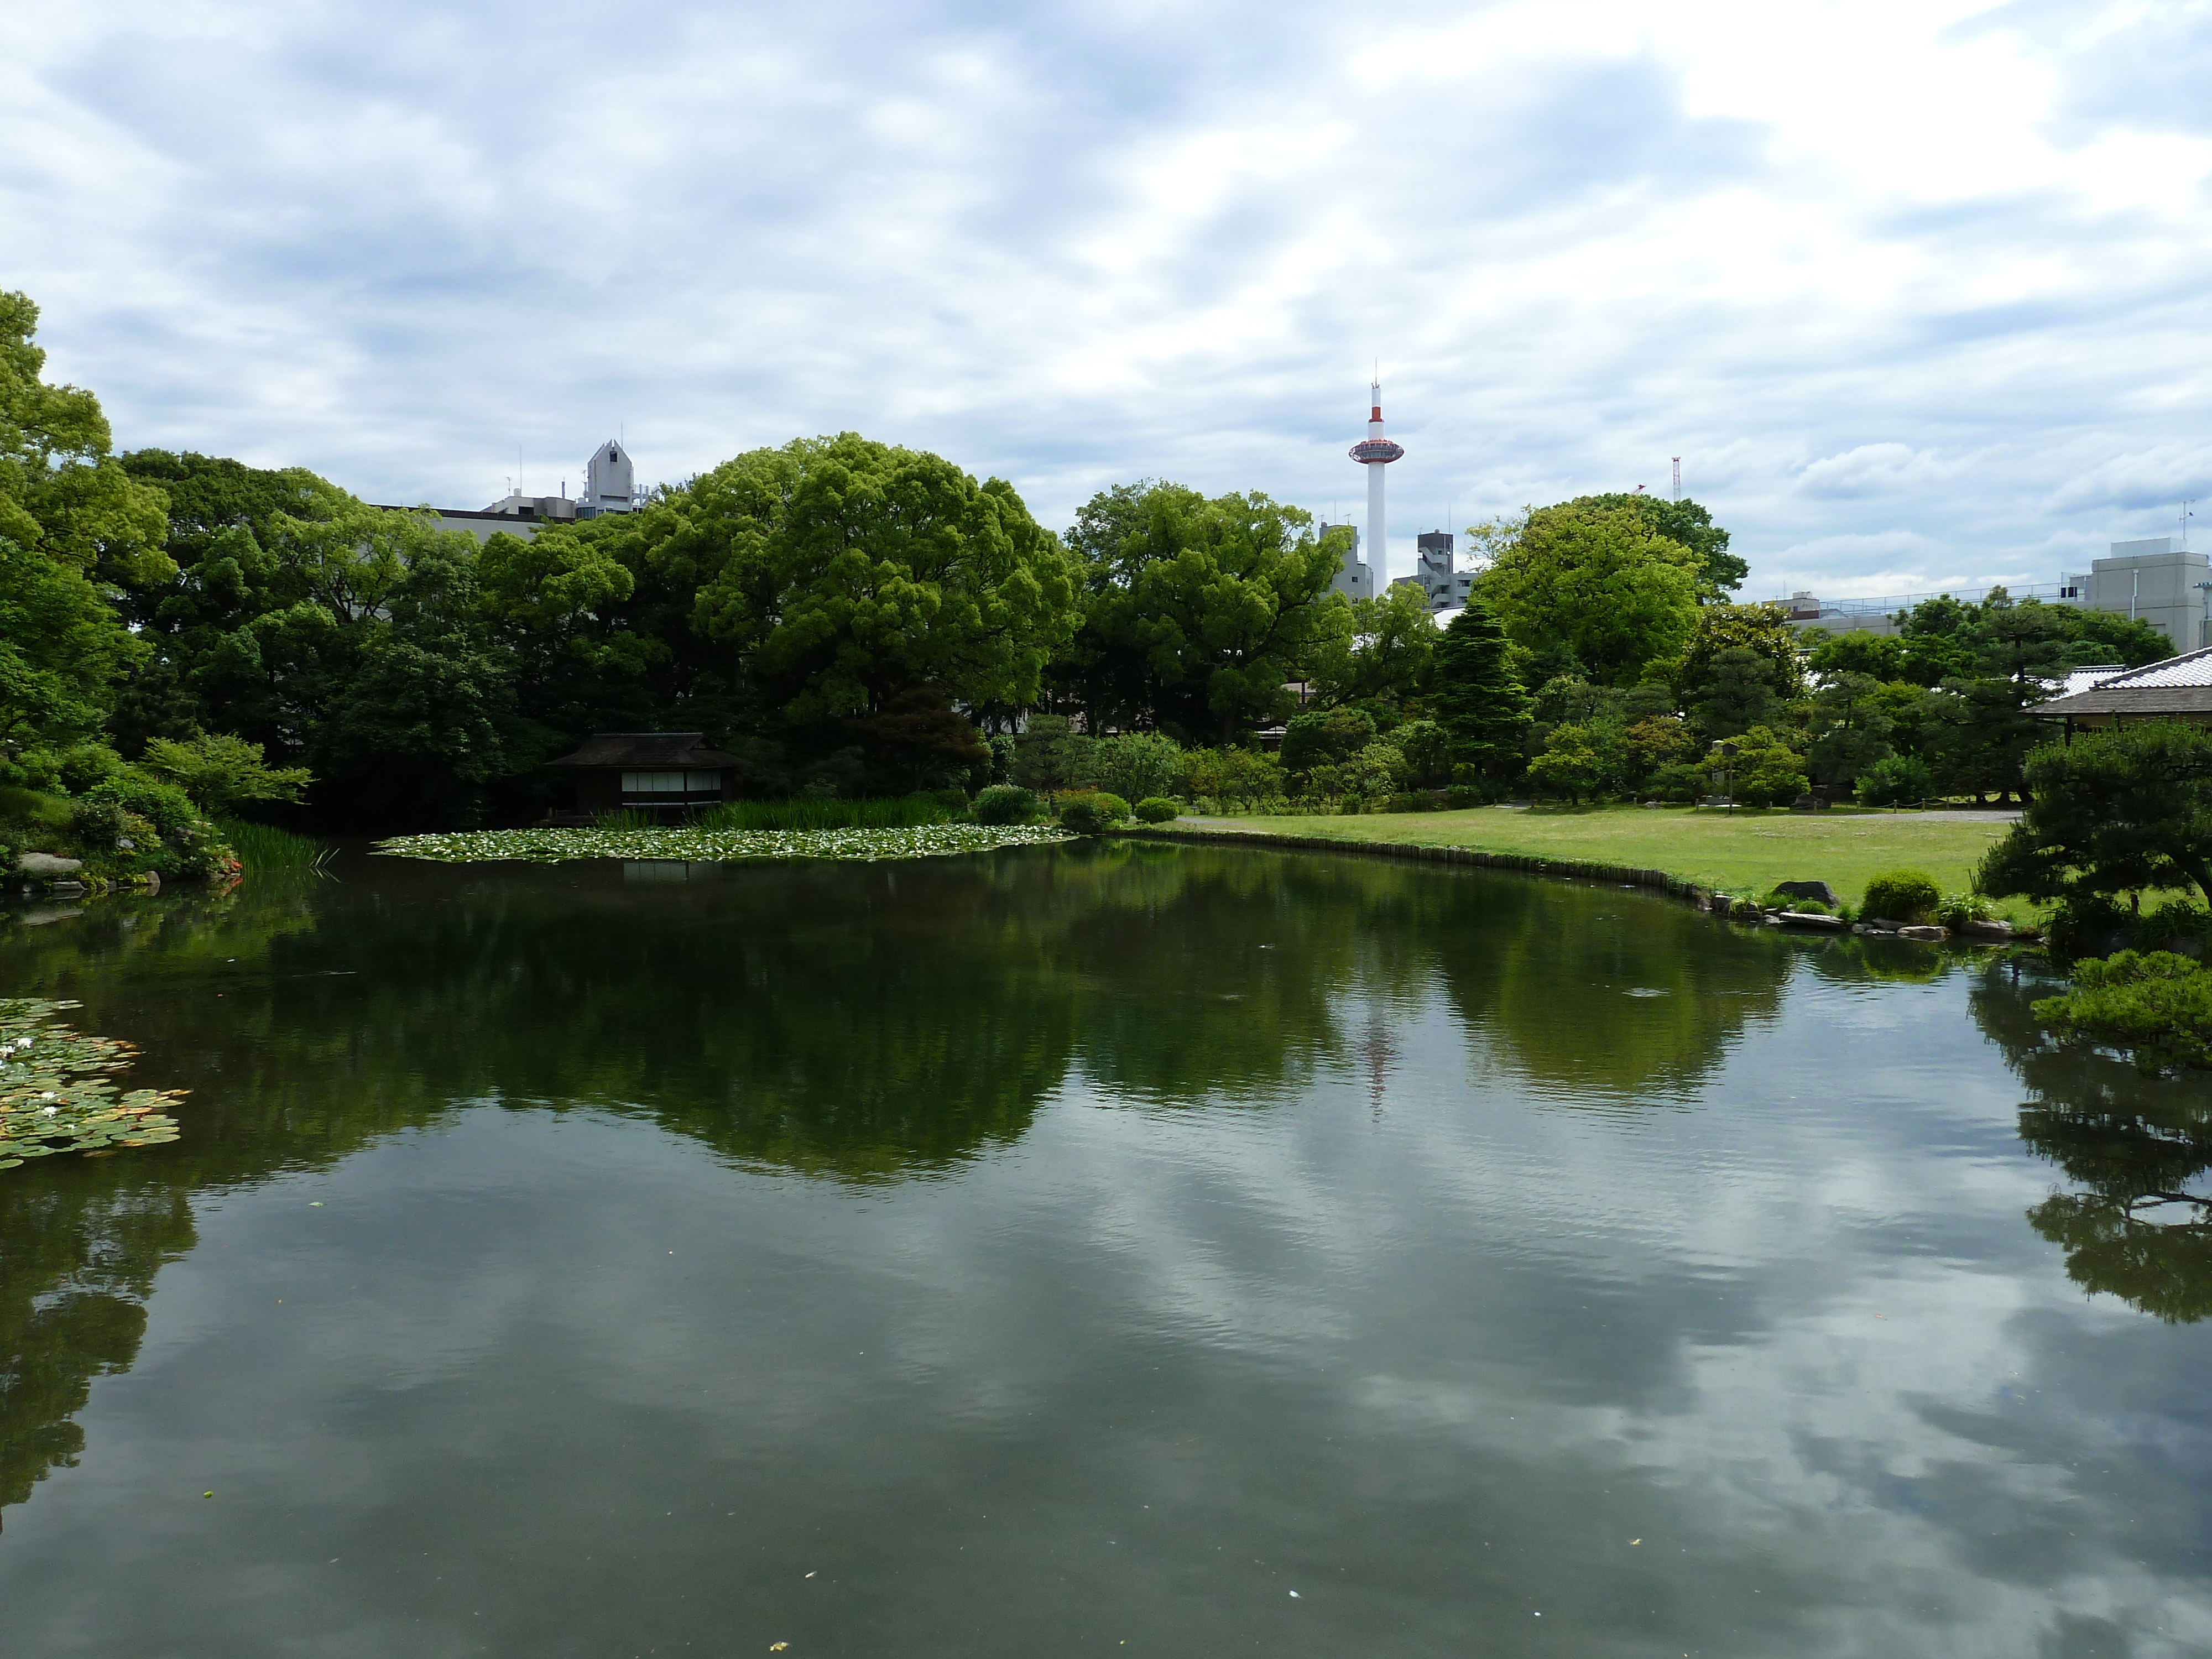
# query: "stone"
1931 934
1810 919
47 866
1989 930
1809 802
1811 889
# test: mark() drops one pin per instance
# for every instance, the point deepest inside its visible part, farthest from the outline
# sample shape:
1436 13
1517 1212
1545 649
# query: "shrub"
1007 803
1909 896
1157 809
1956 909
2159 1004
1135 765
1803 907
1092 813
1893 781
168 807
223 772
1484 792
97 824
1411 800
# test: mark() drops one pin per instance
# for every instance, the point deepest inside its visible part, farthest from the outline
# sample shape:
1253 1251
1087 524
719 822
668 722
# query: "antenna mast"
1678 478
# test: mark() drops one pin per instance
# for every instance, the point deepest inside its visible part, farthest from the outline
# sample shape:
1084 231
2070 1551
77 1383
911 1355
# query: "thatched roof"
2179 685
647 751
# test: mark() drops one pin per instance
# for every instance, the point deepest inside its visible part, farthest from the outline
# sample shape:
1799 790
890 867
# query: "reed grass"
264 847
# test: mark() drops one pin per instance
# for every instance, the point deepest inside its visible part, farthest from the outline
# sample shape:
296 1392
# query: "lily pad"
57 1092
700 846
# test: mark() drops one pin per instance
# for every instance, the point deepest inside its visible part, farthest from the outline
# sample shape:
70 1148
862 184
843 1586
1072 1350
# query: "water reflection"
2132 1144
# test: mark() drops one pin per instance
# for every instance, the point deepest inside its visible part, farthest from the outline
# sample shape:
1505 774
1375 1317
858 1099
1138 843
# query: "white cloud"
1872 273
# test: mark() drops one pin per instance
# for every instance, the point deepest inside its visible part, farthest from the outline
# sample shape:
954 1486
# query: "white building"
1355 579
2151 580
610 486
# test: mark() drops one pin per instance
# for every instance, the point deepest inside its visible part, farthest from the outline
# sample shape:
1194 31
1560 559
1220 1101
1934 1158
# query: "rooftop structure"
670 772
2151 580
2179 688
610 486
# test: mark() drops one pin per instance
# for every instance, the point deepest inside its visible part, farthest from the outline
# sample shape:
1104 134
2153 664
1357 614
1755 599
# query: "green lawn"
1747 853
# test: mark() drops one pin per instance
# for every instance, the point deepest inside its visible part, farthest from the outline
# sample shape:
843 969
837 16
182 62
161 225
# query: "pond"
1075 1250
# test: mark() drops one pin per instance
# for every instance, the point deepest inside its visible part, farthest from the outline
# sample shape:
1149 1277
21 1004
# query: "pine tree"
1473 695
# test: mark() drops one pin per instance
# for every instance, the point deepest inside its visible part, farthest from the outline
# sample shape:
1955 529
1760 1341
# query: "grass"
262 846
1745 852
801 812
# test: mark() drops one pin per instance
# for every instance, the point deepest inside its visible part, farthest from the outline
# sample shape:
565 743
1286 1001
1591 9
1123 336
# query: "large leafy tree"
1719 571
2111 812
1385 659
1198 611
1472 692
839 573
1598 584
72 523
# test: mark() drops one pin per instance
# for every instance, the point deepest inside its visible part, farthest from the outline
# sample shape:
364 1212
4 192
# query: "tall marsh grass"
804 812
264 847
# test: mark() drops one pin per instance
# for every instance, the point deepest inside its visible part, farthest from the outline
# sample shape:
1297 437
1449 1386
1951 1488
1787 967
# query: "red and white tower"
1375 452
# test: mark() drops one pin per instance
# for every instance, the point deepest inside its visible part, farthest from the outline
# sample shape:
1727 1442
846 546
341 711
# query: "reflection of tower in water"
1378 1053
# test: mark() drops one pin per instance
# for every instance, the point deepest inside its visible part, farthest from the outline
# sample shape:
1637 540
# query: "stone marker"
1929 934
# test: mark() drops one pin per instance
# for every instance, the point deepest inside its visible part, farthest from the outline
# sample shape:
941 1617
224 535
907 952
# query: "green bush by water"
264 847
1092 813
1007 803
1909 896
2154 1002
1157 809
807 812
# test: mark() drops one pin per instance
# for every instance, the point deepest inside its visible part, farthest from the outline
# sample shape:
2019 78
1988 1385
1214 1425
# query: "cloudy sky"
1917 291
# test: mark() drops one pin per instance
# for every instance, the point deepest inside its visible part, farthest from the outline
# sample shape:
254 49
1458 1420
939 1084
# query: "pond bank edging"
1528 864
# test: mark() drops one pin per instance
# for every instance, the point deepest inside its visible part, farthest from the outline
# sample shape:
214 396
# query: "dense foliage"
854 620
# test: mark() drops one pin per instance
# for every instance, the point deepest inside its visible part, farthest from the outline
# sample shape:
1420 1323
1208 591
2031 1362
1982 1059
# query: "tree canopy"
1599 585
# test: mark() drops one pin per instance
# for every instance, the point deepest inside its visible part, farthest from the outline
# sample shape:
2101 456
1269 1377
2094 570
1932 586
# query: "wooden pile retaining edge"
1620 874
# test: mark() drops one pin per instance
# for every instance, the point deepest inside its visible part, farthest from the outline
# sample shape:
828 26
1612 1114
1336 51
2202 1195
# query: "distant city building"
2151 580
1355 580
610 486
1447 589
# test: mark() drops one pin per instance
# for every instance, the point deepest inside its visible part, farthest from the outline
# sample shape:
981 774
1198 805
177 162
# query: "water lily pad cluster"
57 1092
702 845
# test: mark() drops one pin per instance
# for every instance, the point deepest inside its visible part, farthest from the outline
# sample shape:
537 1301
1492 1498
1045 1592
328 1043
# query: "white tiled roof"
2081 679
2191 668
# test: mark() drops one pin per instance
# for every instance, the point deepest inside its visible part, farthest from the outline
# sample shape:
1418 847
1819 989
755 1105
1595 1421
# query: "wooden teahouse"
670 773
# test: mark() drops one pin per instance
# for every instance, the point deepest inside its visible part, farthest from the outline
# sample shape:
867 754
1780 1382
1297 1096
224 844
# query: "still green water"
1144 1250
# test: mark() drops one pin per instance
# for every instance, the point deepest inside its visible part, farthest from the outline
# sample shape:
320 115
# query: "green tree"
1764 629
841 572
223 773
1050 755
1736 693
1198 612
1577 761
1135 765
1387 656
2111 812
71 522
1849 728
1427 748
1323 735
1602 584
1473 693
1719 571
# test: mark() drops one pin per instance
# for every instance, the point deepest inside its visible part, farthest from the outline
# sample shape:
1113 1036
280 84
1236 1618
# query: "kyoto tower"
1375 452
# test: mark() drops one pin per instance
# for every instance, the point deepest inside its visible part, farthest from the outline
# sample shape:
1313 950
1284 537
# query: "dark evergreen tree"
1473 693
